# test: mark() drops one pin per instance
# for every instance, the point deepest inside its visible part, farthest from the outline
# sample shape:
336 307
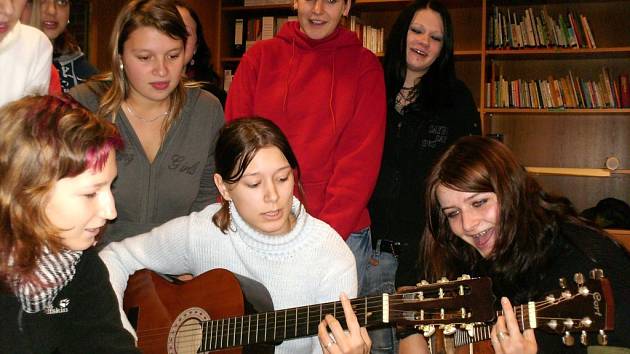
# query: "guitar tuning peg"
586 322
578 278
422 283
463 277
568 339
568 323
443 280
602 338
596 274
584 338
428 330
449 330
563 283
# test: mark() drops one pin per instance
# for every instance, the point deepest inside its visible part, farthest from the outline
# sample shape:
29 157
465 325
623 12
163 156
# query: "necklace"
133 113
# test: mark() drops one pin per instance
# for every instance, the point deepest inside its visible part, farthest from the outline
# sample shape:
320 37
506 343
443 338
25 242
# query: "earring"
122 67
192 61
68 21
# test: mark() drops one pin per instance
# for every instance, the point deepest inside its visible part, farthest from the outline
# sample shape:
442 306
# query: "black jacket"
73 69
84 318
413 142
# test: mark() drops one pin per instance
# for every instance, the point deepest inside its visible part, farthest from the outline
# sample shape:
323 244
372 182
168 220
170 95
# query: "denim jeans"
360 244
381 275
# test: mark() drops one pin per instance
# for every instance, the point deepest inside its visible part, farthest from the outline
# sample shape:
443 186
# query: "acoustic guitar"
225 313
583 306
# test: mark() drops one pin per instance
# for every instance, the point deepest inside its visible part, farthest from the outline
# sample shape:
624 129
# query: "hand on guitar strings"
506 335
356 341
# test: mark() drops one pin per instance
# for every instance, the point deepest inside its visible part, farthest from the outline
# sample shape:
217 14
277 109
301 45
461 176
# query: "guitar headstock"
445 302
583 305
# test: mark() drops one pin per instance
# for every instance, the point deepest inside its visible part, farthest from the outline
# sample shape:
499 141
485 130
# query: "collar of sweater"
10 37
273 245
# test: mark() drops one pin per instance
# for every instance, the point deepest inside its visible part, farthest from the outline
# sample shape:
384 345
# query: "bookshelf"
562 145
566 148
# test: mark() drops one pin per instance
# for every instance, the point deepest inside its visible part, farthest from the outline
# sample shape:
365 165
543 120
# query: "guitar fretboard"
275 326
481 331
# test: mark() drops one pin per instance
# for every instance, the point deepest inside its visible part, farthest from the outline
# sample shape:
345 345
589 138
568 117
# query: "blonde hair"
161 15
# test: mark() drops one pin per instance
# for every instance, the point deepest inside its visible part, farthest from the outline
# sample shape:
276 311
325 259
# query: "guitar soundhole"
185 334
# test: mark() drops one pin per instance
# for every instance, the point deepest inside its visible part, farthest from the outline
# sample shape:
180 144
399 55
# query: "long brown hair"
44 139
161 15
529 217
238 143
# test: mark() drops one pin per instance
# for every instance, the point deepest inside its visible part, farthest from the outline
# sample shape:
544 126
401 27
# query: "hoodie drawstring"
288 80
332 92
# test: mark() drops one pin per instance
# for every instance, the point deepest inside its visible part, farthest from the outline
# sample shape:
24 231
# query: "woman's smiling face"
472 216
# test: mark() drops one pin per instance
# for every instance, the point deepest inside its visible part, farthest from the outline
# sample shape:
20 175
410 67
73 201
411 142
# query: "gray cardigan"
178 181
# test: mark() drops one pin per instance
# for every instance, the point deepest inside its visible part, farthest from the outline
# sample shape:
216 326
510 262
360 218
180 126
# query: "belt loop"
377 249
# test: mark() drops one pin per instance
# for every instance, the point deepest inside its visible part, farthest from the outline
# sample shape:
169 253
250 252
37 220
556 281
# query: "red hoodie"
328 97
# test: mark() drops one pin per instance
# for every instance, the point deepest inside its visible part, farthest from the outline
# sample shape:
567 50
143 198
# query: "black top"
73 69
579 249
84 318
413 142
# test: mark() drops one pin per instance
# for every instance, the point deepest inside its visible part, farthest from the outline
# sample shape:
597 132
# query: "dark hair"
65 43
433 90
238 143
199 68
44 139
529 217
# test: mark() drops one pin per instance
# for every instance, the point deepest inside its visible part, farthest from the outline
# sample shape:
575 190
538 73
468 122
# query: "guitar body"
166 314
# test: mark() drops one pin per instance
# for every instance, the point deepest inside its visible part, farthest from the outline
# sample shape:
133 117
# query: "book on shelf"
238 35
624 90
589 34
227 79
268 27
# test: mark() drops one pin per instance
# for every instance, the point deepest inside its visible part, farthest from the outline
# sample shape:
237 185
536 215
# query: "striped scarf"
54 271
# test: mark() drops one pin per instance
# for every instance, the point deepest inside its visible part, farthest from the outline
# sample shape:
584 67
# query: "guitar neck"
276 326
480 331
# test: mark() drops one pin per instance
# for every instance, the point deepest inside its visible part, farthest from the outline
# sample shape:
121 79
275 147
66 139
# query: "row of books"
247 32
566 92
509 28
371 37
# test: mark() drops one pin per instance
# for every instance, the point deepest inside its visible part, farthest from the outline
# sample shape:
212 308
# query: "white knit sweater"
310 265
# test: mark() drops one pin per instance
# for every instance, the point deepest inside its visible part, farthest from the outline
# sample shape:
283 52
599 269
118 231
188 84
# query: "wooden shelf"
621 111
582 172
558 53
